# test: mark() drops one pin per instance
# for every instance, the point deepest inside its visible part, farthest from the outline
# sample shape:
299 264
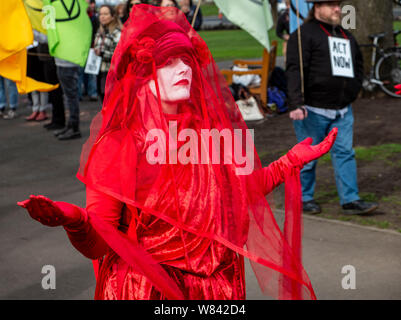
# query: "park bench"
263 68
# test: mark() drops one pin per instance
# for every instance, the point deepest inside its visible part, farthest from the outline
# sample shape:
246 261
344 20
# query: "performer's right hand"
51 213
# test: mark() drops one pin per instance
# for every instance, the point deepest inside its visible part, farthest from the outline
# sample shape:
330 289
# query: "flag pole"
301 62
196 13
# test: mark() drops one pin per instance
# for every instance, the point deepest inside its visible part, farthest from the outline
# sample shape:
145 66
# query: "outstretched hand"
51 213
304 152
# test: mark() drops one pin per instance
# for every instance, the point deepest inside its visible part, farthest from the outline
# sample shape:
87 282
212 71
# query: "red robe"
203 268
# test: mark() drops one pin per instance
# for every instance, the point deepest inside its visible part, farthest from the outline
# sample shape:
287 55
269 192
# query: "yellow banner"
16 29
16 36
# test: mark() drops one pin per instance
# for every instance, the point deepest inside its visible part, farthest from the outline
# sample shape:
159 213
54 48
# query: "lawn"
235 44
209 9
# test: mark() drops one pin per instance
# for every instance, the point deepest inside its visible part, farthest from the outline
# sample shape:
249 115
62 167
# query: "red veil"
209 199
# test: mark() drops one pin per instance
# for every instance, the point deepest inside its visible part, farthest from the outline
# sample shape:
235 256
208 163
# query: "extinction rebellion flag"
69 30
254 16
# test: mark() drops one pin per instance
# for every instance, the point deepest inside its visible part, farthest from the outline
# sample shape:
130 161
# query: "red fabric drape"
201 204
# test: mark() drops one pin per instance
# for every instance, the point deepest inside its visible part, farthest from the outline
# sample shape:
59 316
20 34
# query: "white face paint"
174 80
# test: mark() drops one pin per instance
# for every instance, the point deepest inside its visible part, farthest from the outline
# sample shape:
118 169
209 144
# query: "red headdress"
201 200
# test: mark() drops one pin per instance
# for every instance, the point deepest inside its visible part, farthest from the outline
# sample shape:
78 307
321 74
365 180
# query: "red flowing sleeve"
84 237
274 174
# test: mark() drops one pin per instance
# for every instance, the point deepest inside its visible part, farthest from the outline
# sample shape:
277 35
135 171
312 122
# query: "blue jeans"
342 154
68 77
89 82
12 93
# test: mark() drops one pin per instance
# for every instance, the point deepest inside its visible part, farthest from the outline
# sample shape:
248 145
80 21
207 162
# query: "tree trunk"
372 16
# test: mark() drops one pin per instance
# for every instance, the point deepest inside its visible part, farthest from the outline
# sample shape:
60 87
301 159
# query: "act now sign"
341 57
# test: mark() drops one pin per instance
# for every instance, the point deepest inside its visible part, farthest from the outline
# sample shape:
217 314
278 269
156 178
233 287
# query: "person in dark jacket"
333 74
189 9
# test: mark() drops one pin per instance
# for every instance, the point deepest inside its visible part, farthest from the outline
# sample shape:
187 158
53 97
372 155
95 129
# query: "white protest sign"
93 63
341 57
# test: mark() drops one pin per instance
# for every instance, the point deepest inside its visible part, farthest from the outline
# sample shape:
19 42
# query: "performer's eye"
170 62
186 60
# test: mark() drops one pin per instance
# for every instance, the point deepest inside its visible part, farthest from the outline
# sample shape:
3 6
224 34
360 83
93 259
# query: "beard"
335 20
328 17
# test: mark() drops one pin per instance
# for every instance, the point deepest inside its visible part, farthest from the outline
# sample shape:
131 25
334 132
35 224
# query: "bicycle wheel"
388 72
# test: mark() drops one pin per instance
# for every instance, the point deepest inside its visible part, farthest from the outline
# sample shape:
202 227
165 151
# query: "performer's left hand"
304 152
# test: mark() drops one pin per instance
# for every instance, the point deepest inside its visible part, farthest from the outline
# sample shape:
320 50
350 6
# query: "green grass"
239 44
209 9
397 26
392 199
368 196
381 152
330 193
362 221
372 222
235 44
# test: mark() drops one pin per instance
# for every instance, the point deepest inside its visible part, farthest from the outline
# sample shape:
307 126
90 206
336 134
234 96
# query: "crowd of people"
107 23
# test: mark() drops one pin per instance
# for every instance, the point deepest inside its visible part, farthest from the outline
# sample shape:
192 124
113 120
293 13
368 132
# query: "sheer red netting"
210 204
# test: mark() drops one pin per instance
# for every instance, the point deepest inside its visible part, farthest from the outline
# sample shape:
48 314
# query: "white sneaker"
11 114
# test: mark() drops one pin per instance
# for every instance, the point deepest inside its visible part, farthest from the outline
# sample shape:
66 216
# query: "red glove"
304 152
398 87
53 213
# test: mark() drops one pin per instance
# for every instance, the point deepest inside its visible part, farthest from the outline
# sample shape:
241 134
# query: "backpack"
277 97
278 79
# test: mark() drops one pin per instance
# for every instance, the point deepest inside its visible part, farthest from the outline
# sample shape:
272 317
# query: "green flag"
69 29
254 16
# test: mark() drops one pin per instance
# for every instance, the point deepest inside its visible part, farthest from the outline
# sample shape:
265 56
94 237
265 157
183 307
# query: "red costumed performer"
176 194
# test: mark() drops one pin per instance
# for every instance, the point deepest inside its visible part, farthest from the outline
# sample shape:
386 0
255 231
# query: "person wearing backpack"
321 99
